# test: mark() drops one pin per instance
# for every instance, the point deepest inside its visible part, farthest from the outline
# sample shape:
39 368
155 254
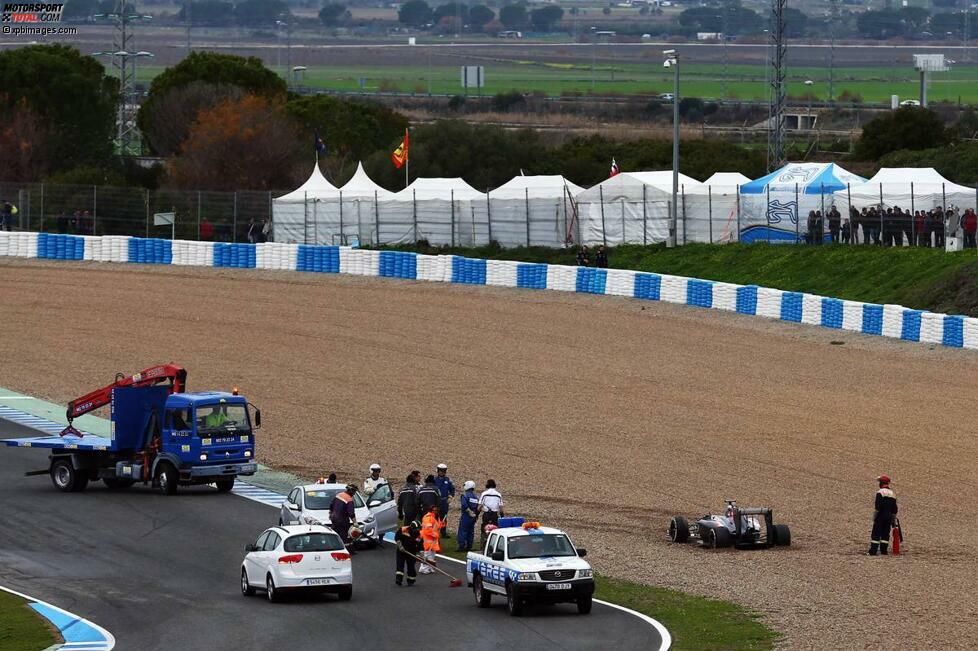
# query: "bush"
504 102
909 127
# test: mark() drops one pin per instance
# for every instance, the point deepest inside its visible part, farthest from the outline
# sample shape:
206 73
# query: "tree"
795 22
914 18
350 129
69 94
880 25
947 24
260 13
451 10
480 15
333 14
248 74
513 16
167 120
22 141
543 19
414 13
240 143
208 12
906 128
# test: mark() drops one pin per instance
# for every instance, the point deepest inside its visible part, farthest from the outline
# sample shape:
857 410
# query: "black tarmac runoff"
162 572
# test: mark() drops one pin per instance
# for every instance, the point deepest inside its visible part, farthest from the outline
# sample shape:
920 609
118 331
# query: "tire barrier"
894 321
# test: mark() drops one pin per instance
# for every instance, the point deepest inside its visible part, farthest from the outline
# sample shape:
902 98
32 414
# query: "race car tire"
584 605
345 593
224 485
781 535
717 538
678 529
483 598
514 605
271 590
246 588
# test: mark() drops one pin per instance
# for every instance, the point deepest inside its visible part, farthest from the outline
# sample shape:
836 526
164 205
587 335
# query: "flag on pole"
614 169
320 145
400 155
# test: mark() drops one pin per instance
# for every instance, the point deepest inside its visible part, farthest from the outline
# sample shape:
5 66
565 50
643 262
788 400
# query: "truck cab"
530 563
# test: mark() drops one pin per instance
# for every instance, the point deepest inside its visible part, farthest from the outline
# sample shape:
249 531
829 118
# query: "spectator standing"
583 259
865 219
446 491
470 513
847 231
266 230
810 228
854 224
408 539
371 483
926 228
428 495
206 230
408 505
342 513
939 226
253 230
490 505
431 526
887 227
601 259
898 228
7 216
835 224
907 227
969 224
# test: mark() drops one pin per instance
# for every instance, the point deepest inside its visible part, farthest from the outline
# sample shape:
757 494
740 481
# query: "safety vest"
431 533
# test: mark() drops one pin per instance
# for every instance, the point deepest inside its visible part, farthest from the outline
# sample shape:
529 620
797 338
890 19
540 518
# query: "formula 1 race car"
738 527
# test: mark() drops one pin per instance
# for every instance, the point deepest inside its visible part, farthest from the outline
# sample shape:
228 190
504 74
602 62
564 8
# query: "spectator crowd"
893 226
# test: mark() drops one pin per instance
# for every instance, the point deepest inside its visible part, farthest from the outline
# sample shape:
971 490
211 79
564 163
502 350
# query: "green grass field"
21 629
745 82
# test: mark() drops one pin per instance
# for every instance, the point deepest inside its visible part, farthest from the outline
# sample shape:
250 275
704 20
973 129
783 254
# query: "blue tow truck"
158 434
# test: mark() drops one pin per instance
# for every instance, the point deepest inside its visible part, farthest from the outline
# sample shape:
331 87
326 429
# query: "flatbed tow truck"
159 434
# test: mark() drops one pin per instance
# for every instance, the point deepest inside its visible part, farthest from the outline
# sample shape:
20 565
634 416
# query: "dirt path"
603 415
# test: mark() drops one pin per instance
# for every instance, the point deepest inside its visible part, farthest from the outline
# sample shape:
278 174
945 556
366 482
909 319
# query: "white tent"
438 188
533 210
536 187
361 186
291 217
727 179
631 207
710 211
439 210
908 188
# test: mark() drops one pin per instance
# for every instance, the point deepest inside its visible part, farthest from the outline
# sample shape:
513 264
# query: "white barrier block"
811 309
852 315
263 255
769 302
4 243
970 331
501 273
932 327
561 278
93 244
620 282
893 320
31 249
725 296
290 257
672 289
361 262
431 267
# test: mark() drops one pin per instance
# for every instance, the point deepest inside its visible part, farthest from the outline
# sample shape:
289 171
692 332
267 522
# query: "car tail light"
290 558
341 556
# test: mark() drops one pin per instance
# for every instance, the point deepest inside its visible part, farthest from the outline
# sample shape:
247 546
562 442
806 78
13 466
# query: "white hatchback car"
310 505
297 558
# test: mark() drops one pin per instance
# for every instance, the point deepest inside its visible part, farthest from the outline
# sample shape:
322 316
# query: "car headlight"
203 457
247 453
527 576
369 519
585 574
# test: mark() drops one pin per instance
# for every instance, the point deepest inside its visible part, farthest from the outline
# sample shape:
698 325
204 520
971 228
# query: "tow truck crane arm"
175 375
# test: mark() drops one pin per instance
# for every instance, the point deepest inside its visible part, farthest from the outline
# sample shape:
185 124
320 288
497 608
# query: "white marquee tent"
439 210
909 188
727 179
291 218
533 210
710 211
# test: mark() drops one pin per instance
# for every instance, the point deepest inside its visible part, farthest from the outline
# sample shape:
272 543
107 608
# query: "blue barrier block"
699 293
42 245
747 299
167 252
872 319
911 325
591 280
647 286
831 313
470 271
133 249
791 306
953 331
300 258
531 276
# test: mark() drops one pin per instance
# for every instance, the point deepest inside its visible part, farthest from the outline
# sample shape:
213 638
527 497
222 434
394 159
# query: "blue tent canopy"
809 178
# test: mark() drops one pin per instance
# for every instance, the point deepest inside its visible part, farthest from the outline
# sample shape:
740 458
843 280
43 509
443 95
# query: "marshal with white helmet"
529 563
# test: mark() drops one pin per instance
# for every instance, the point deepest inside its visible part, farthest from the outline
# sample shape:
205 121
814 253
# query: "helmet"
441 466
883 479
467 485
351 488
375 466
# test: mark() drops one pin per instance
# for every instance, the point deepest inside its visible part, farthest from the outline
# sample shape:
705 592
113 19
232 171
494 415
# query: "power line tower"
124 55
776 126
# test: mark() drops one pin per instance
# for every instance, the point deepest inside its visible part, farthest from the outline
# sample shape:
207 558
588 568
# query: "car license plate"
318 581
558 586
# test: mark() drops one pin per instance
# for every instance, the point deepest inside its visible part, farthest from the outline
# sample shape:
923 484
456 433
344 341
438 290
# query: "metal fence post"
797 216
738 213
709 195
342 236
414 203
767 211
527 210
684 213
645 218
305 217
913 216
42 208
604 238
376 219
146 201
270 214
489 215
94 210
852 225
821 221
198 215
234 219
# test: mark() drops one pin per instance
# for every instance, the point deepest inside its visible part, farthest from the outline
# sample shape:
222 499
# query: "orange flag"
400 155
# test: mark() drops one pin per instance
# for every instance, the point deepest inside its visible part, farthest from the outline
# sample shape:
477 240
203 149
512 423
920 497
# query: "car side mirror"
292 505
373 503
498 556
250 547
258 419
581 552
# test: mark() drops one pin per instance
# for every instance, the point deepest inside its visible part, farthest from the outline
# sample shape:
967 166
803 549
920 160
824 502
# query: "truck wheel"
781 535
678 529
115 482
224 485
345 593
483 598
584 605
166 479
246 588
66 477
717 538
271 590
513 603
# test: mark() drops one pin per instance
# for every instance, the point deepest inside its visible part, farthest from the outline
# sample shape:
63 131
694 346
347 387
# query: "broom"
456 583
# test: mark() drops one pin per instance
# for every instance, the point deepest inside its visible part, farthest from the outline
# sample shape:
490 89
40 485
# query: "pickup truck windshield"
321 499
540 545
221 417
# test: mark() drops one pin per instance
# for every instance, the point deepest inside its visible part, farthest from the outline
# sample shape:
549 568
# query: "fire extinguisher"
897 536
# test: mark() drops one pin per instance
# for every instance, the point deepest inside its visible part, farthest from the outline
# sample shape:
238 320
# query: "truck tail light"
290 558
341 556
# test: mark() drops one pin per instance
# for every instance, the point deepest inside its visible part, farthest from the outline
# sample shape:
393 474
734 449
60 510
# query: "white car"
310 504
297 558
910 102
530 564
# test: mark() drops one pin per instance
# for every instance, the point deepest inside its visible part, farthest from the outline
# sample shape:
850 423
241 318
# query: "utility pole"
775 144
724 14
833 16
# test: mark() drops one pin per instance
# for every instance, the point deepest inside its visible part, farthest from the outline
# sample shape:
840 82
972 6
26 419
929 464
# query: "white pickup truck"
530 564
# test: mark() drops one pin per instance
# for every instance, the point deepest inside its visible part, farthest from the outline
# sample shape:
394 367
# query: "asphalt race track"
162 573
